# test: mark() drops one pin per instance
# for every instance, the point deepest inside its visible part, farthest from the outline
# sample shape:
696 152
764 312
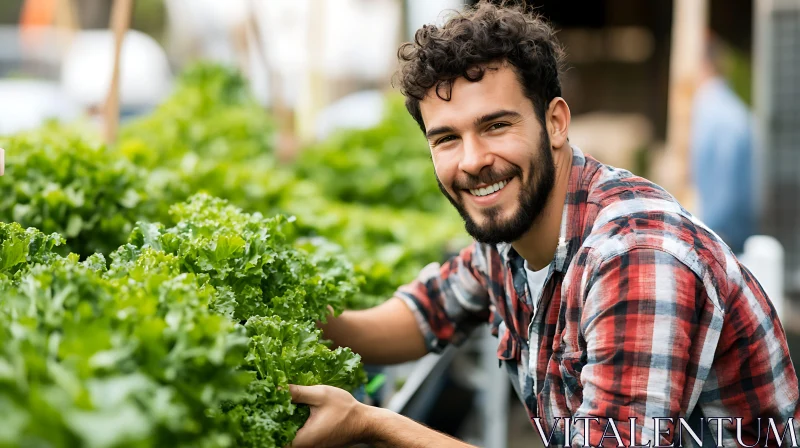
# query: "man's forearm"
386 429
386 334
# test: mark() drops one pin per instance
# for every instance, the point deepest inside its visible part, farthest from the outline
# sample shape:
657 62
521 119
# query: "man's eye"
496 126
445 139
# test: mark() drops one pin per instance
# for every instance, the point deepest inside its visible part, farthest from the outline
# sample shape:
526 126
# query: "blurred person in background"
722 153
611 301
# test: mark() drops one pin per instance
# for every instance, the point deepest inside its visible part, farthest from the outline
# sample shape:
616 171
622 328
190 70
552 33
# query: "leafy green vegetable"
211 114
276 289
387 165
92 360
281 353
19 248
60 182
151 351
390 245
209 136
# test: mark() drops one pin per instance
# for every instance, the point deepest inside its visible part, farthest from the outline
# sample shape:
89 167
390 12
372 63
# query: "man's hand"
337 419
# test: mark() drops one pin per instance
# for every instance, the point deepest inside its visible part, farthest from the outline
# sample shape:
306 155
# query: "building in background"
777 107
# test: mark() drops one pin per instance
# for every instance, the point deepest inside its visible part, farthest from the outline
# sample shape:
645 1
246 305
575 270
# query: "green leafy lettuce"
190 336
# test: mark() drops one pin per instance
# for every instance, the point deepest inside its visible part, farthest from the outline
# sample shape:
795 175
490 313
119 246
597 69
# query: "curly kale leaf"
283 353
89 358
248 259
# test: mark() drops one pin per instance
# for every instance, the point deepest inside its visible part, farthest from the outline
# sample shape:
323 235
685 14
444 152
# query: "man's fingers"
310 395
305 438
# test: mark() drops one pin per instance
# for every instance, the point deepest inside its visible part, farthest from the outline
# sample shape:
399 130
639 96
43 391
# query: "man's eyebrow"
437 131
495 115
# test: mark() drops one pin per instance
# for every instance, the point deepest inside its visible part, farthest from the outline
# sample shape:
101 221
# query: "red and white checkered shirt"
645 313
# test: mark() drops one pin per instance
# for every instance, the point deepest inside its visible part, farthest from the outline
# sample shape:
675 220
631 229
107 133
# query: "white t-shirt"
536 281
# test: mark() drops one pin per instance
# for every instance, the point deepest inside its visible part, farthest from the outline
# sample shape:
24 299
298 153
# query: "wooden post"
689 23
255 40
68 22
66 15
120 21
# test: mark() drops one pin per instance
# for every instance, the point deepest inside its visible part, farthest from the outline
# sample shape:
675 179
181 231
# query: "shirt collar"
570 235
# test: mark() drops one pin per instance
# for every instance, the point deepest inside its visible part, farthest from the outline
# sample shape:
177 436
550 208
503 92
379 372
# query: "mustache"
487 176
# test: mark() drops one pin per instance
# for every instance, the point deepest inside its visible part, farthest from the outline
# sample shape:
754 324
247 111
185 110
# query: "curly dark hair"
489 32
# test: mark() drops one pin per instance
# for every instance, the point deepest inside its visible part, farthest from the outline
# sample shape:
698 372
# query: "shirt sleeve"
642 329
451 299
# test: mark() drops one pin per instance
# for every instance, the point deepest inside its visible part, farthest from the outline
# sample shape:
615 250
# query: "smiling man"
612 304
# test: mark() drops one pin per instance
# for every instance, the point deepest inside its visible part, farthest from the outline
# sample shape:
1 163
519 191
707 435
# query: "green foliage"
259 278
58 181
209 136
189 338
386 165
87 360
20 248
247 258
284 352
389 246
211 114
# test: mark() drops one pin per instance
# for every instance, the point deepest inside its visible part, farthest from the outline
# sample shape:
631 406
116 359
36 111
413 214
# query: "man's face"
491 155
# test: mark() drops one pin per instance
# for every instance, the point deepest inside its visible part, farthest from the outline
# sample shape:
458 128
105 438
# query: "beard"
534 192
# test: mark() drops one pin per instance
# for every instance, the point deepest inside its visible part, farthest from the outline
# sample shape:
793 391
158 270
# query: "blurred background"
700 96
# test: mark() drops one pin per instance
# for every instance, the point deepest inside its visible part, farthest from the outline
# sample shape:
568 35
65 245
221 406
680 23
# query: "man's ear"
558 118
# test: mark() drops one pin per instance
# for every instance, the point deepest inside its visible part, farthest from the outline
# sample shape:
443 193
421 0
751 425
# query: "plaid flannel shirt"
645 313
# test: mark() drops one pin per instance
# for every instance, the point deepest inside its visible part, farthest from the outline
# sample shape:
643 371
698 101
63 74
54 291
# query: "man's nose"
476 155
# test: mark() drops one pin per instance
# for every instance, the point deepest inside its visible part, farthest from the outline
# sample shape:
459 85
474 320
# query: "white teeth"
490 189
